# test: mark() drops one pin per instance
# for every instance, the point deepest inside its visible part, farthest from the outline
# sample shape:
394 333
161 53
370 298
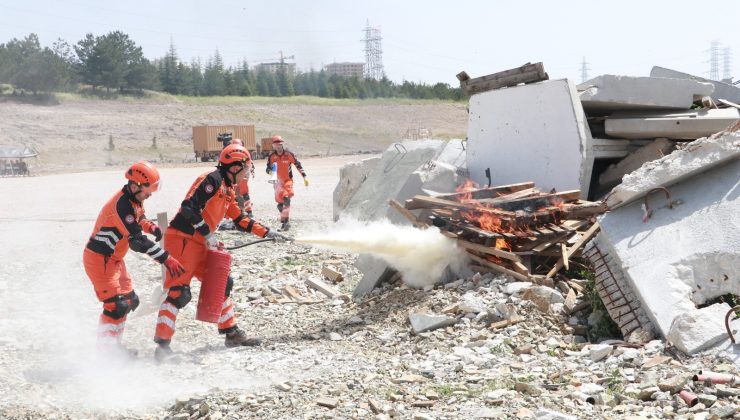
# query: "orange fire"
467 189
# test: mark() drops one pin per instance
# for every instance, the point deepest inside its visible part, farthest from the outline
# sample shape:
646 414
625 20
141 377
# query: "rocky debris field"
479 347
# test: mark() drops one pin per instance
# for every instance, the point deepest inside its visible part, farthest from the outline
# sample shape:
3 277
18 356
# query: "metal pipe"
715 378
689 398
727 323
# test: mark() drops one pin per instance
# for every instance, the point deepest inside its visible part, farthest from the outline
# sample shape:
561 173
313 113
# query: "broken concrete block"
534 132
657 149
722 90
425 322
543 297
599 351
374 272
351 176
685 254
684 125
609 93
700 155
700 329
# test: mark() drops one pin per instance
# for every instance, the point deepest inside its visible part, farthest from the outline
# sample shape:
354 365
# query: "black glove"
156 231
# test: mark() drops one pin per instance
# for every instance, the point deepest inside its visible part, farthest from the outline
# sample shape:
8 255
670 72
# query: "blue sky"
423 41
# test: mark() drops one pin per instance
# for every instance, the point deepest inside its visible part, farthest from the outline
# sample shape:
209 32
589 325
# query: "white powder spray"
420 255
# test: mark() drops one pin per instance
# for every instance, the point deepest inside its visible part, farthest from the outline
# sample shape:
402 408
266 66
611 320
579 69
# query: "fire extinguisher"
213 286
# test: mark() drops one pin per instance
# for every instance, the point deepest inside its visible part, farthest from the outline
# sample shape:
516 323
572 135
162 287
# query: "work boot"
249 214
239 338
163 353
285 225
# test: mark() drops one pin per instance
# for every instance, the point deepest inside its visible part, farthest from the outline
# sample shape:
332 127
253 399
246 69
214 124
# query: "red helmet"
234 153
277 139
237 141
145 175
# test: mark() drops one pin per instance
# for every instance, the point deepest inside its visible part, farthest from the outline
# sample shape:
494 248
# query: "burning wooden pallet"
513 229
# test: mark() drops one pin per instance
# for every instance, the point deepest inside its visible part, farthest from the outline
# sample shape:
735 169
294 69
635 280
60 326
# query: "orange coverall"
206 203
119 226
284 184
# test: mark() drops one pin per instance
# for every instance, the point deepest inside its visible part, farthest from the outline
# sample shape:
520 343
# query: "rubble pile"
446 354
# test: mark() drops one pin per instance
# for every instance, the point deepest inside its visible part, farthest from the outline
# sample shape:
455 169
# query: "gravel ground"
321 358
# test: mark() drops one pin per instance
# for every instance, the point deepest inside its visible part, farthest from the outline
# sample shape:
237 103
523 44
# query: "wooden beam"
488 192
485 263
322 287
527 73
489 250
407 214
576 246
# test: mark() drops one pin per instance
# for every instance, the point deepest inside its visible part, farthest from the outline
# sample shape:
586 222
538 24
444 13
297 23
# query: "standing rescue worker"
191 234
284 185
121 225
242 190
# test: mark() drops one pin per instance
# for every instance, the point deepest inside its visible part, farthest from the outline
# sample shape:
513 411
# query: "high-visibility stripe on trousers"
168 317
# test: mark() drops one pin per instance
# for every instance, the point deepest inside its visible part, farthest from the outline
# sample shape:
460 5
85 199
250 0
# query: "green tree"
214 83
284 83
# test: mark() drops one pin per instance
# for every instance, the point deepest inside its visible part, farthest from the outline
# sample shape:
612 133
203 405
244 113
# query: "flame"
467 189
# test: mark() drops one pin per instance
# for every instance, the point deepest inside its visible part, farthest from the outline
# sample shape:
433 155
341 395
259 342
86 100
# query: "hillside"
74 134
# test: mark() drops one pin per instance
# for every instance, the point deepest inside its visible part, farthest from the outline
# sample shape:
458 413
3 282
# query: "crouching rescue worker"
121 225
284 185
191 234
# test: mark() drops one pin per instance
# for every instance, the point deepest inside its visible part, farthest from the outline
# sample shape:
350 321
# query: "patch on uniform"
130 219
209 188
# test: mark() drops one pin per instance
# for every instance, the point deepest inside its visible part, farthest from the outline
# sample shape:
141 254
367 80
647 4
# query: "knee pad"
280 206
229 286
133 300
116 307
286 201
182 299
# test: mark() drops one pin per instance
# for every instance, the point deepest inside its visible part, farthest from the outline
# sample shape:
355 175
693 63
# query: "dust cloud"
421 255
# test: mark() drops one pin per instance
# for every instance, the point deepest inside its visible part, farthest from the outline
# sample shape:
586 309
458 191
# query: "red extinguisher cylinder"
213 287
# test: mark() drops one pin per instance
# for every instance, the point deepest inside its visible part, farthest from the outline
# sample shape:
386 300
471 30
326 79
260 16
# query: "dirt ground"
75 134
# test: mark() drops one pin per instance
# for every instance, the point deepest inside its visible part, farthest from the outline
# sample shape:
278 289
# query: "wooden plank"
564 251
582 241
422 202
520 268
406 213
162 223
489 250
527 73
487 192
322 287
536 202
332 275
519 194
293 292
484 262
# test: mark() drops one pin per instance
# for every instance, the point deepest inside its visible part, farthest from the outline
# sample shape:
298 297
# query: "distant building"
275 67
346 69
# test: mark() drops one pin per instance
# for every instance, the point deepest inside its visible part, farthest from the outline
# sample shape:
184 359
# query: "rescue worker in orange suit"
121 225
284 185
192 232
242 190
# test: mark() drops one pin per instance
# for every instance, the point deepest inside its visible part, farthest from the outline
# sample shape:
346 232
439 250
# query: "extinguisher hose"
231 248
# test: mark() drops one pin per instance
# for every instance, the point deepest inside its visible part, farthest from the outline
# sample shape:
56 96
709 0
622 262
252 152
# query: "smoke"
420 255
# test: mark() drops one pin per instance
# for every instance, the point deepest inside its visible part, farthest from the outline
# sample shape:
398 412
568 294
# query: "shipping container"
207 146
265 147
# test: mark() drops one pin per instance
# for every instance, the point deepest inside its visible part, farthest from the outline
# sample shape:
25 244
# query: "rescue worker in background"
242 190
284 185
192 232
121 225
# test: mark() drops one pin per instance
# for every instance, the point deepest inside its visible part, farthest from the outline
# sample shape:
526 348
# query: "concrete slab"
685 125
721 90
370 201
351 176
613 175
697 156
535 132
608 93
682 257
